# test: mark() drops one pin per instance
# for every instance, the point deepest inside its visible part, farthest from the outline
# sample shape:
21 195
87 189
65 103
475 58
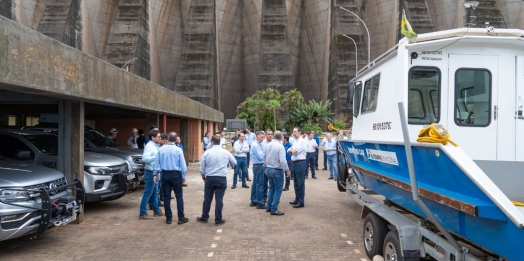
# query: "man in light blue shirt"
172 164
213 168
257 188
206 140
276 164
240 150
250 137
150 170
330 147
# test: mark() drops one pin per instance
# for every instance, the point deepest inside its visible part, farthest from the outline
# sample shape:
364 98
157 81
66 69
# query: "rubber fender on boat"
432 134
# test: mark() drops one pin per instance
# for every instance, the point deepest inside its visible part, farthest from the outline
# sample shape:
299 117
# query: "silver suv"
97 142
104 176
32 198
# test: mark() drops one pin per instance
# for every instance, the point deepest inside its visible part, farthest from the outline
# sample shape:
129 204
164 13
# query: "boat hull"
460 205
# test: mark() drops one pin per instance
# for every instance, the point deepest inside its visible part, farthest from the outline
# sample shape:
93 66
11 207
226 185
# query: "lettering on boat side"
356 152
432 52
432 58
382 126
387 157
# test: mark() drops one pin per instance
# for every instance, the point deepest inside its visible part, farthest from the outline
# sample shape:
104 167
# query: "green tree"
265 108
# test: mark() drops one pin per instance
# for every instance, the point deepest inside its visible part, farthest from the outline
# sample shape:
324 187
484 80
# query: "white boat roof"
465 33
460 32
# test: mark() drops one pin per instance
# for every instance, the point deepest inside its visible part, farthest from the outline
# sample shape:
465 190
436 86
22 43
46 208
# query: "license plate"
131 176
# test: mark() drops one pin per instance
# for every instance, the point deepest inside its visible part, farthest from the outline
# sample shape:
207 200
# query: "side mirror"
86 146
24 154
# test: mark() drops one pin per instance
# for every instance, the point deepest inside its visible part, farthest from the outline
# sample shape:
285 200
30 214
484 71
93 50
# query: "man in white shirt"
240 150
311 154
132 139
298 159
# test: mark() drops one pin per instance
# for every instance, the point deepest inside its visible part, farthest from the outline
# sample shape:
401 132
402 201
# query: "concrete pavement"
328 228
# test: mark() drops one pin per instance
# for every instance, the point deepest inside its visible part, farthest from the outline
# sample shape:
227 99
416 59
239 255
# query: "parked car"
99 143
32 198
104 176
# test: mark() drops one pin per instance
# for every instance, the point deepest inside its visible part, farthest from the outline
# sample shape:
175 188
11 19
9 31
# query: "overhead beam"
37 64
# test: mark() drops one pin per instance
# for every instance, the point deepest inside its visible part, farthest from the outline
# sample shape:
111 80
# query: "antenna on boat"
470 6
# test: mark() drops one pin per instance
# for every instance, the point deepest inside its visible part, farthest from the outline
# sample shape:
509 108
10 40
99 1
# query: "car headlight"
98 170
137 159
12 195
127 168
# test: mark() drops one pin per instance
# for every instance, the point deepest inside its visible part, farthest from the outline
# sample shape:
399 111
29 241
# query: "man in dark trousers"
172 164
213 168
276 164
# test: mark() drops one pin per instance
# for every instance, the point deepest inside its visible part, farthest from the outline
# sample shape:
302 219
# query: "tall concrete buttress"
220 52
128 41
197 71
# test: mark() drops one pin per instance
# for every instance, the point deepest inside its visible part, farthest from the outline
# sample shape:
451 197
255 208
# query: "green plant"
339 124
312 127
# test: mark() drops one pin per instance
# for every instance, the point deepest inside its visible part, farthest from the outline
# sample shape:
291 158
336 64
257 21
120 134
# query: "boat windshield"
47 144
99 139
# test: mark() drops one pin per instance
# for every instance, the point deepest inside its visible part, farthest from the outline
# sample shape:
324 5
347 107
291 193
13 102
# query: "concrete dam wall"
219 52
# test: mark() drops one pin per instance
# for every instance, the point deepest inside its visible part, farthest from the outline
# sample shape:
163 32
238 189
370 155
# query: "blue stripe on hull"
490 229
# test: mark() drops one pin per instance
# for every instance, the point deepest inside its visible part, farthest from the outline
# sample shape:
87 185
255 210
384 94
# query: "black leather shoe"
330 178
220 222
201 220
314 177
168 221
293 202
268 210
324 168
285 189
316 168
184 185
183 220
298 205
253 204
234 187
261 206
245 186
277 213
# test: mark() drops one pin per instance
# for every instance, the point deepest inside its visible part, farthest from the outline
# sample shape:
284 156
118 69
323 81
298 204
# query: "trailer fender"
409 233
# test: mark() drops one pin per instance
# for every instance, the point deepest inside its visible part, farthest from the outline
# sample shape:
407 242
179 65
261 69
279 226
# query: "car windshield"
47 144
99 139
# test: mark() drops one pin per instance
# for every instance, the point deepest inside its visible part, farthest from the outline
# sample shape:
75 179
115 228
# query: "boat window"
472 97
356 99
424 95
415 105
370 97
434 98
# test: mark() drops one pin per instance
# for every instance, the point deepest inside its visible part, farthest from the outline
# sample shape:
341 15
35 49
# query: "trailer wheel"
392 247
342 176
375 229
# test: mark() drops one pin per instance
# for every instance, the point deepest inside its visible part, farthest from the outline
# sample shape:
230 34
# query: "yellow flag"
405 27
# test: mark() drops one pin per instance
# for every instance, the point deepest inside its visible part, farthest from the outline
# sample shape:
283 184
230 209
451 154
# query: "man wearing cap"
112 134
133 136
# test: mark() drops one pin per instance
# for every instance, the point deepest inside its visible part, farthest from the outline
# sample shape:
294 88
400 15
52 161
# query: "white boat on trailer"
471 81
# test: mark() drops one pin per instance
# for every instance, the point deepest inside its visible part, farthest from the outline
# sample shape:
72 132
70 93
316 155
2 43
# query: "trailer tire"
374 232
342 176
392 250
